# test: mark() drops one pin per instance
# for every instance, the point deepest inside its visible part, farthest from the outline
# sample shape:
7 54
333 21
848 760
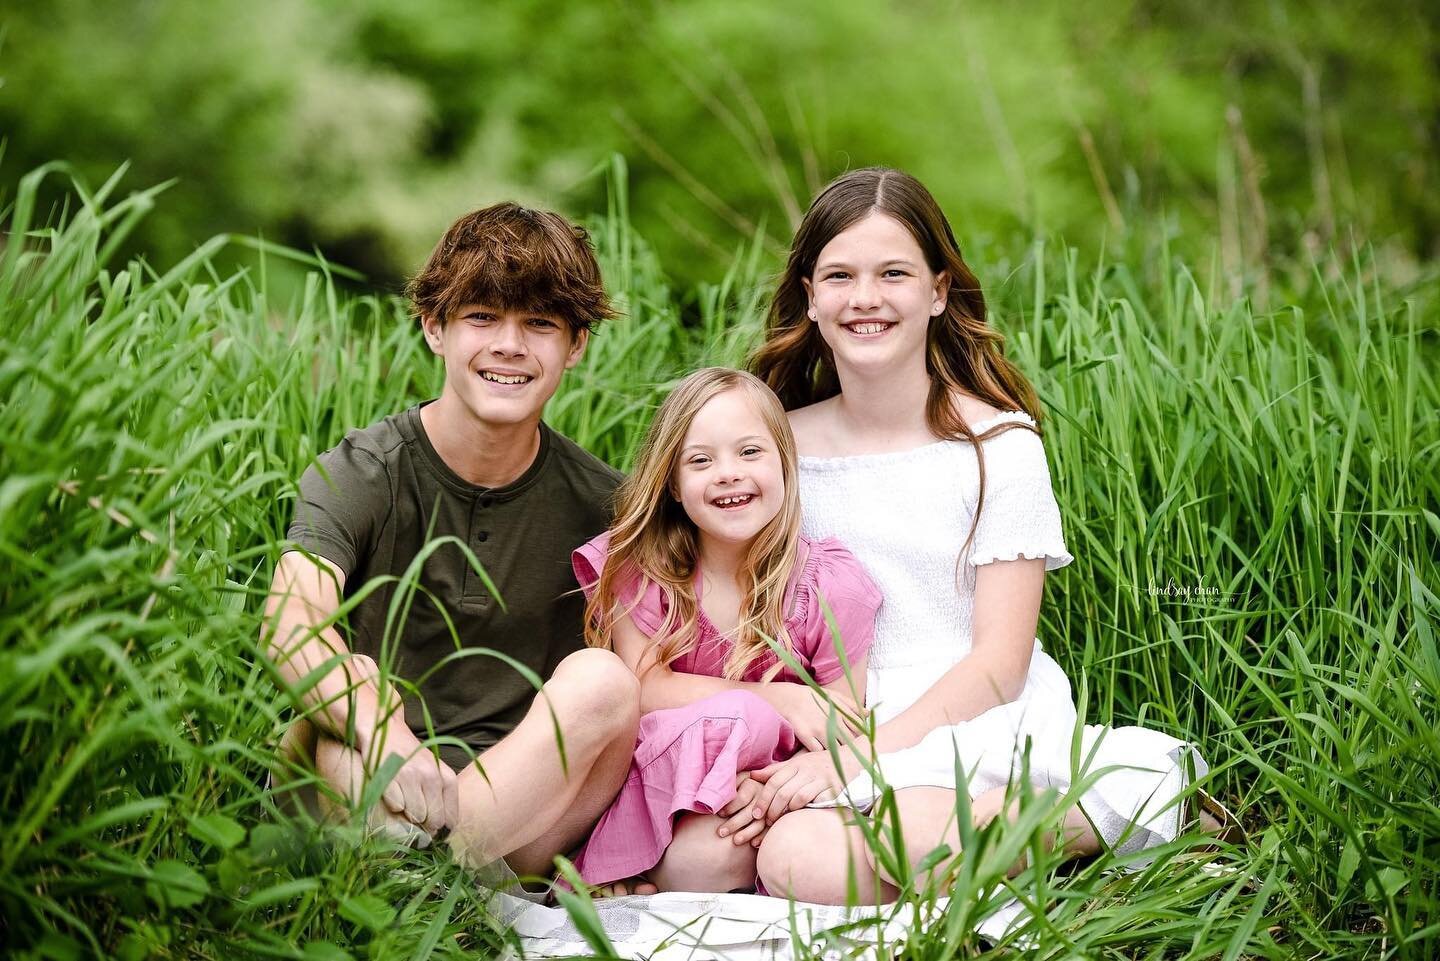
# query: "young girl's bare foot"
619 889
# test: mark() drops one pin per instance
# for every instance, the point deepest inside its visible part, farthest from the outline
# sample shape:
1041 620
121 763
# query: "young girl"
920 447
704 563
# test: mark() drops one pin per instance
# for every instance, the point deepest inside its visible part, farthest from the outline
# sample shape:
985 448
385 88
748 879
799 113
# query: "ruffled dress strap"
647 610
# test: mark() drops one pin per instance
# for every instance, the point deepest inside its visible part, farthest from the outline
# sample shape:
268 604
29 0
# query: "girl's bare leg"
928 820
807 853
700 860
813 855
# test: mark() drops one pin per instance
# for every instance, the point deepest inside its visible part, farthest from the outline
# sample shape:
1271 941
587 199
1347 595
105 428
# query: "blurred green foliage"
1256 132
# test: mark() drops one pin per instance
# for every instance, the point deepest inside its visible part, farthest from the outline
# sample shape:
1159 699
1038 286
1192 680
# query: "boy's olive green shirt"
370 506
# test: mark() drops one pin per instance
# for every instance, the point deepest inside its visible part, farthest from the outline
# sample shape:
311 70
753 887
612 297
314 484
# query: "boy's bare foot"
619 889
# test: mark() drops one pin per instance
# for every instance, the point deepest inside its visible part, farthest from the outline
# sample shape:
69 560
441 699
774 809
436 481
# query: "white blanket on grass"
726 927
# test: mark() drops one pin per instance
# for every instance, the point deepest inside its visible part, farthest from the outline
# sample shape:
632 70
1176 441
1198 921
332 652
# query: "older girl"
920 447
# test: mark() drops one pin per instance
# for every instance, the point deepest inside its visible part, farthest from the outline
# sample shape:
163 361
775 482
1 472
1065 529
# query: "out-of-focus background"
1255 133
1209 234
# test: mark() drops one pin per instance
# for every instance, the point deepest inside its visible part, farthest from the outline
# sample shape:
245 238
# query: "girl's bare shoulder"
814 427
973 410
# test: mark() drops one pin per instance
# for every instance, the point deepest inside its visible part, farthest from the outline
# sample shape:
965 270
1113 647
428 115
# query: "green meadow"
1249 480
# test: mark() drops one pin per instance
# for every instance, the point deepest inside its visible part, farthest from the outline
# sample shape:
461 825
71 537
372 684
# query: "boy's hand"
740 823
425 791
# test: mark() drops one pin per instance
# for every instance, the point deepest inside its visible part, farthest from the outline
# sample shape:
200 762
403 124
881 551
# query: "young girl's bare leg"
699 860
620 889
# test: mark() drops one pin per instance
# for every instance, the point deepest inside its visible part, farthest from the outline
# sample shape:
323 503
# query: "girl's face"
729 476
873 296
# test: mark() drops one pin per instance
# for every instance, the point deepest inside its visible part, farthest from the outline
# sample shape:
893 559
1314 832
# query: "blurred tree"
364 127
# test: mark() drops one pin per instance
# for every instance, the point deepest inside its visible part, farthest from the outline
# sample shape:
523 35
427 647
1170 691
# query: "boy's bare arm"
305 593
345 702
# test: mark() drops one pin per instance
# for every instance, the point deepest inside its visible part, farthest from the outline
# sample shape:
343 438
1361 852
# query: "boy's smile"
502 366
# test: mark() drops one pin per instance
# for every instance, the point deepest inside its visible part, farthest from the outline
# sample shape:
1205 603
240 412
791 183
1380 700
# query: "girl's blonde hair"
653 540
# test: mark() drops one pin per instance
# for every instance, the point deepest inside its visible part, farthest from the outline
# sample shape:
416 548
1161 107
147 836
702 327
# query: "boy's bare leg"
525 807
529 810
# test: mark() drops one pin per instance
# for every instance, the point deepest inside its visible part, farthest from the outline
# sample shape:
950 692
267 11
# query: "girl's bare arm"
1007 611
662 688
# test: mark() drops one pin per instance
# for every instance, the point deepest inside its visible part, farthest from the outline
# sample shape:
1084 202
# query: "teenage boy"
506 300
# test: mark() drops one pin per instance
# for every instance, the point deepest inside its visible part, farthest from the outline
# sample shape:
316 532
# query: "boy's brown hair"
511 257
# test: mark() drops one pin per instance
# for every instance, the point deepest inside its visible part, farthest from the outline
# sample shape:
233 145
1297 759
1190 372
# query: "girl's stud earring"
812 313
935 311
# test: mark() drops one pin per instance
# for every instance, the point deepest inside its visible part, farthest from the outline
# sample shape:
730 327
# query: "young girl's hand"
790 785
808 714
740 823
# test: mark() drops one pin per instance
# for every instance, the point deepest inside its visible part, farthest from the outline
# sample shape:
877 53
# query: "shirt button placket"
479 596
484 535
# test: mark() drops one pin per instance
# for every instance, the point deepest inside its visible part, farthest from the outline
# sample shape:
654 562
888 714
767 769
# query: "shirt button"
483 536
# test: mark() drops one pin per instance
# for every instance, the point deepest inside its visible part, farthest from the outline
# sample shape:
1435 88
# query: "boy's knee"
362 667
597 685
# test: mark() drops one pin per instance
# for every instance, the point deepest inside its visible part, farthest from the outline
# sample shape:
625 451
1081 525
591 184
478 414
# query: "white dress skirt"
906 516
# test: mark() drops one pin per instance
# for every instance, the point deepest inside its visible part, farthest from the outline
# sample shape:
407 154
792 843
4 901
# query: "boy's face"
503 365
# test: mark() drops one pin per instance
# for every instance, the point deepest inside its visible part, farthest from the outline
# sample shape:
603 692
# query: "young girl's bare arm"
662 688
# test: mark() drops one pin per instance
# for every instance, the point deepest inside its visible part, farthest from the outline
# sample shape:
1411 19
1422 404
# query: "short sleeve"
343 502
837 580
1019 517
589 560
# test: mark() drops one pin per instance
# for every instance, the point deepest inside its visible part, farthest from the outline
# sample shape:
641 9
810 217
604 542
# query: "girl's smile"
872 295
728 476
867 327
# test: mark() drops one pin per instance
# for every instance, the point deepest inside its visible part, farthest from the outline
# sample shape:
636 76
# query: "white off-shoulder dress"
906 516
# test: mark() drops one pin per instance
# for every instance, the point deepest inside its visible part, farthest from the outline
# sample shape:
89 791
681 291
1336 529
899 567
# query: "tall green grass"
1251 499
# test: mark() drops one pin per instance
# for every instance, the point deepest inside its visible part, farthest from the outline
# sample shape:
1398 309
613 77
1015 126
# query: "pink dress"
689 758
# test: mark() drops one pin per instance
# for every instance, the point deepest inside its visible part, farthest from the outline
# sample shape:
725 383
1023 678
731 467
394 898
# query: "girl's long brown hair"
963 354
653 540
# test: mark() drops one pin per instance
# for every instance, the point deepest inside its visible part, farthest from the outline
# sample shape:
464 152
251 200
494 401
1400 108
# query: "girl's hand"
740 822
809 714
790 785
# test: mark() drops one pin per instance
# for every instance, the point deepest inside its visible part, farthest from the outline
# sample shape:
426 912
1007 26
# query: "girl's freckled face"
873 295
728 476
